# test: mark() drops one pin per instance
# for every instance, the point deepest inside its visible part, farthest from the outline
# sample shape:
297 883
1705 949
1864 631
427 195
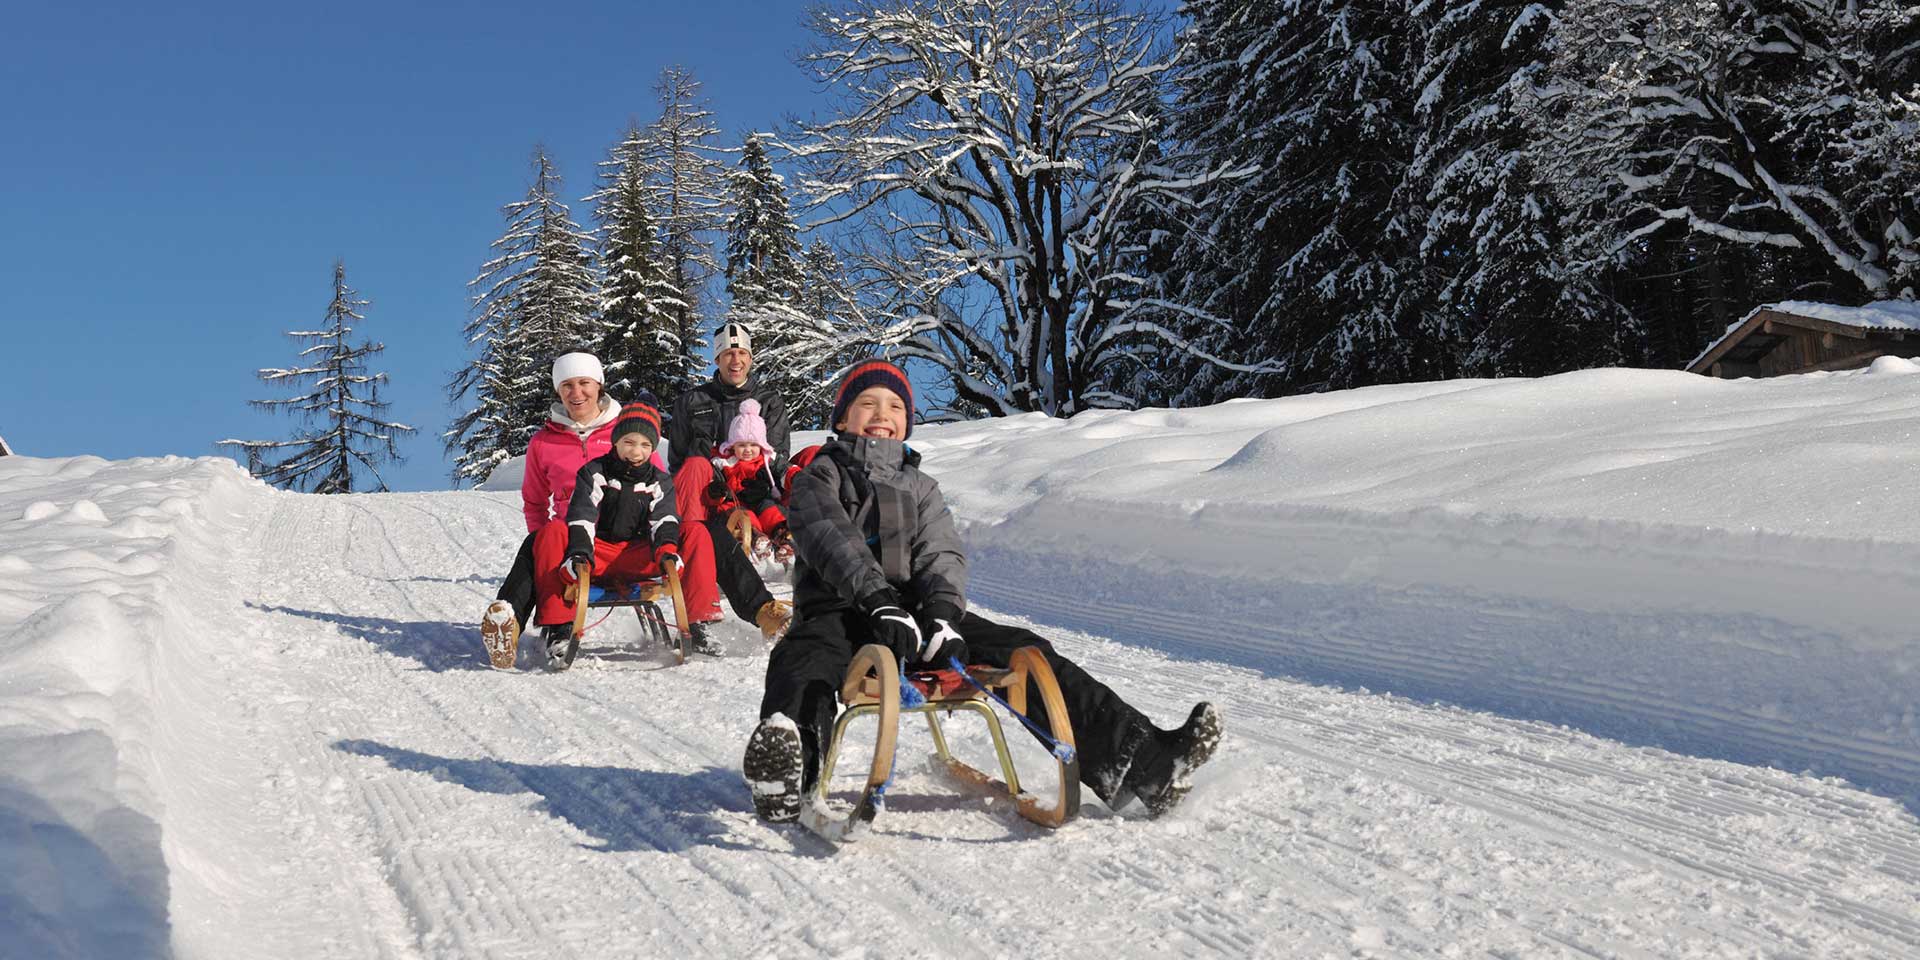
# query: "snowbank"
98 691
1725 567
506 476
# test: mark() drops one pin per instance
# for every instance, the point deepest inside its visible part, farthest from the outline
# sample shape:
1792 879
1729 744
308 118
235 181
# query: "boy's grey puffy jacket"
864 519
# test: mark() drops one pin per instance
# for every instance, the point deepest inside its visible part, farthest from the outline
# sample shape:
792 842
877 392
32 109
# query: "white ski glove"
892 626
940 639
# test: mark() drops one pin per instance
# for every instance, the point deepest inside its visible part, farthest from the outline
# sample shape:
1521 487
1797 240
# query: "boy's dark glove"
717 491
892 626
940 635
567 573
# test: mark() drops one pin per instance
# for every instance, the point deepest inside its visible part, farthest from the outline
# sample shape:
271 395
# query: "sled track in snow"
1684 835
455 894
599 812
1497 654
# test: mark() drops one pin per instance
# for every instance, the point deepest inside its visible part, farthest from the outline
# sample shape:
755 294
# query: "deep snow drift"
236 722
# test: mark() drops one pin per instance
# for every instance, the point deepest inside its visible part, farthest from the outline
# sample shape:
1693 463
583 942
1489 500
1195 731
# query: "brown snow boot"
773 619
500 632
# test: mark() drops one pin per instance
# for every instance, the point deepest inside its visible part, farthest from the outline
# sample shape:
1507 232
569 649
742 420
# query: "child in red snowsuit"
743 476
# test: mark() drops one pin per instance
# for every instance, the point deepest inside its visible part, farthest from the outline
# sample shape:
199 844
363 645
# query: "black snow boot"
704 641
772 768
1161 775
561 645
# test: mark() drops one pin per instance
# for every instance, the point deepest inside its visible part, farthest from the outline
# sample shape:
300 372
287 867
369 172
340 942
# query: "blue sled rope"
1060 751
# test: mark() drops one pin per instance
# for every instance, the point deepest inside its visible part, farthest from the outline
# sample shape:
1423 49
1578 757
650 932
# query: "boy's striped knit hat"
872 373
638 418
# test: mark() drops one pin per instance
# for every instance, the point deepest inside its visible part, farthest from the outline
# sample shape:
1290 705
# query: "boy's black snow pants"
739 581
805 670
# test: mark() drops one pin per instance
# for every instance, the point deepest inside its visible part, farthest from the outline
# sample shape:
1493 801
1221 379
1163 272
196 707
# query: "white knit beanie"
733 335
570 365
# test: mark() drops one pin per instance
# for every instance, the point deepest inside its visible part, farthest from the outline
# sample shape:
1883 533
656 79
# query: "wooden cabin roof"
1753 336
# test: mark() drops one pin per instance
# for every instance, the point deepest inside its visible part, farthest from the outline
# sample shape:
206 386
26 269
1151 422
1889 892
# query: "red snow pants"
624 562
690 491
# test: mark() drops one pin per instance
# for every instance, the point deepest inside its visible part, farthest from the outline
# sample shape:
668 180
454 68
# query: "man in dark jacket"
700 415
878 560
698 424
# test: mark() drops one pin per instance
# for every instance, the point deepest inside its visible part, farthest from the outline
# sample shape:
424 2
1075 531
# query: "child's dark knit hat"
872 373
638 418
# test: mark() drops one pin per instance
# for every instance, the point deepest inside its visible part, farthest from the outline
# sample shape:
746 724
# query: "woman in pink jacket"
579 428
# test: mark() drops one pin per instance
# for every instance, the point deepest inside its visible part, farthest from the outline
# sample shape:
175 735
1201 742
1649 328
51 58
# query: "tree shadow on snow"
623 809
438 645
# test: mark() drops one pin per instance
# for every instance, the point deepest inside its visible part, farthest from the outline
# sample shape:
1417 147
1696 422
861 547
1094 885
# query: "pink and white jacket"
555 454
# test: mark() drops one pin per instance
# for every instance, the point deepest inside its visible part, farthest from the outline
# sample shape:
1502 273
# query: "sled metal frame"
872 688
644 597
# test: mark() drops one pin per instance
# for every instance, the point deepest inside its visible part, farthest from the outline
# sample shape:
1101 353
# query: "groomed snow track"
423 805
311 759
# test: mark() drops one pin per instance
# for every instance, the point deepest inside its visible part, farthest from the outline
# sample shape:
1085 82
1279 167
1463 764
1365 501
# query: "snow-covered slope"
1726 567
236 722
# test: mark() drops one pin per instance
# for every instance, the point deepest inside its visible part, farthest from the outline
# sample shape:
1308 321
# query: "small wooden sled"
872 686
644 597
740 524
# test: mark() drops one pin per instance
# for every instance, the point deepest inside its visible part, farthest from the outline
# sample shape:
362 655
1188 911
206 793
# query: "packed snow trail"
385 794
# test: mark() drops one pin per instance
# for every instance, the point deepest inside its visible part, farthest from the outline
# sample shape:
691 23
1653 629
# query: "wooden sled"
644 597
872 687
740 524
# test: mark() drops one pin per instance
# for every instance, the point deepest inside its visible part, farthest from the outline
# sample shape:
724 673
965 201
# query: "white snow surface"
1616 663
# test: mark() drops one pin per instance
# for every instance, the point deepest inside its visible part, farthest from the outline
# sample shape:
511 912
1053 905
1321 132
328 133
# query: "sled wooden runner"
872 665
871 690
644 597
740 524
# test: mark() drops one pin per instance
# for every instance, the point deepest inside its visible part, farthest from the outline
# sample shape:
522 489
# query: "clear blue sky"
178 180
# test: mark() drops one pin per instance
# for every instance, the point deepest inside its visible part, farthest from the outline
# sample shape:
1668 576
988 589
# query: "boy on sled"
620 521
878 561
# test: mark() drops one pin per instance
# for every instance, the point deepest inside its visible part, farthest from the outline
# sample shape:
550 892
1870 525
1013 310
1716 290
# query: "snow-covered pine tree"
829 333
978 140
764 274
763 244
534 301
341 408
1497 300
1313 259
1754 149
640 309
686 190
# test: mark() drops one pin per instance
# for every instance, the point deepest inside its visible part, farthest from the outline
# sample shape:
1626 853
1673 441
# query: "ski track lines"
468 901
1392 653
471 813
1691 835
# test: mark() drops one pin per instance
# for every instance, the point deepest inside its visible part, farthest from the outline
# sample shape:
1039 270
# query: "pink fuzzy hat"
747 426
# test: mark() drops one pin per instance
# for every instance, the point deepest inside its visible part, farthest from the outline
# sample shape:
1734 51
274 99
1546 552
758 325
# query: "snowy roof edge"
1878 315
